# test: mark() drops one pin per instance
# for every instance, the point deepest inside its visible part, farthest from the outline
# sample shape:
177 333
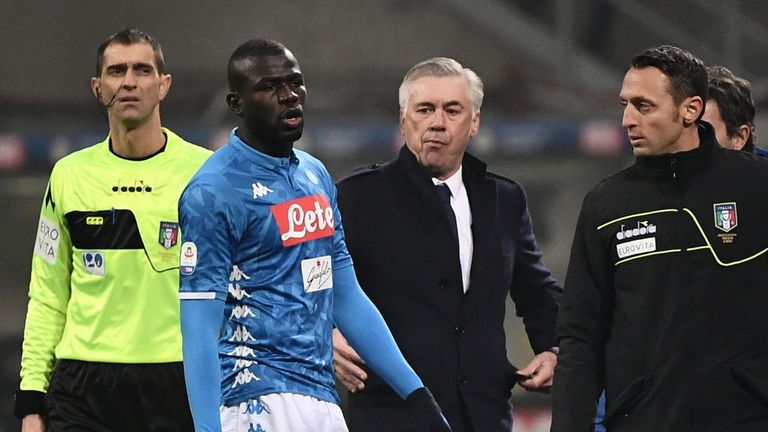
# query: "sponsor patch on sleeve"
47 241
188 259
317 273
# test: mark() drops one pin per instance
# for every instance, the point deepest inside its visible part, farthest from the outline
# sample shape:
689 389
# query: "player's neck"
137 142
274 149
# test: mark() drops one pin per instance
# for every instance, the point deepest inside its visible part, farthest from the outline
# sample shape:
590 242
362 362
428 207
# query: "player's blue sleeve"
363 326
200 327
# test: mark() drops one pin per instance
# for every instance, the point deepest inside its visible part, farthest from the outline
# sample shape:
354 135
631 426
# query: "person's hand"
541 370
346 364
426 412
32 423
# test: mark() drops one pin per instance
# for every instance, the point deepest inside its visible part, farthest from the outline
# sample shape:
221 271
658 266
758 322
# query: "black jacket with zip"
666 297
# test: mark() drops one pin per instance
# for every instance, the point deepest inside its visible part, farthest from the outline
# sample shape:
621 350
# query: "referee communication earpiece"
108 104
105 104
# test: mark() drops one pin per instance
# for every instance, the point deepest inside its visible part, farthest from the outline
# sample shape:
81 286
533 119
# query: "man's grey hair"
442 67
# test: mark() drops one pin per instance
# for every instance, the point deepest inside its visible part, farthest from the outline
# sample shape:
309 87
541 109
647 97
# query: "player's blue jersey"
263 234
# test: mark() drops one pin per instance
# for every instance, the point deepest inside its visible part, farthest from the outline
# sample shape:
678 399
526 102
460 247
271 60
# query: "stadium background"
551 117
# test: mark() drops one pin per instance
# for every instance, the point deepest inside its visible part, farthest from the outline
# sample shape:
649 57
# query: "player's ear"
234 103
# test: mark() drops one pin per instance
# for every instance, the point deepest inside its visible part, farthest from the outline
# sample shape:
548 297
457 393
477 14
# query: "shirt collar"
453 182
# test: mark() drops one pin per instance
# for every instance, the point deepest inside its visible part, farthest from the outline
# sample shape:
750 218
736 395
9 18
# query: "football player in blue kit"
265 272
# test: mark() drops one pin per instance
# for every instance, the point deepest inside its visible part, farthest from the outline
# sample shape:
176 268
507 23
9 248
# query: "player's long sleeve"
365 329
203 293
582 327
200 326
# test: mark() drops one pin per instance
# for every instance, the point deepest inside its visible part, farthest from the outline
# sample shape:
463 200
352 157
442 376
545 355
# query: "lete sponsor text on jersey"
303 219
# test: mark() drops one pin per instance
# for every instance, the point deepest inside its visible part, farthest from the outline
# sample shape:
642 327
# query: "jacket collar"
472 165
684 165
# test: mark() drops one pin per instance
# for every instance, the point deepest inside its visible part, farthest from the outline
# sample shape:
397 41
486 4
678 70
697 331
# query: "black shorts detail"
101 397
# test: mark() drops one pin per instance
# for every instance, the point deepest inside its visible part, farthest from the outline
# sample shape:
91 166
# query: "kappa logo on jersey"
241 311
169 234
93 262
242 351
257 407
243 363
244 377
726 218
241 334
259 190
234 288
304 219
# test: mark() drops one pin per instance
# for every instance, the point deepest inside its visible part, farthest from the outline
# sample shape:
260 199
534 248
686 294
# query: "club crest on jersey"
169 234
304 219
726 217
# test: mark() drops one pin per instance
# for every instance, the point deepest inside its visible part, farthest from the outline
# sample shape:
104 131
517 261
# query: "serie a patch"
188 258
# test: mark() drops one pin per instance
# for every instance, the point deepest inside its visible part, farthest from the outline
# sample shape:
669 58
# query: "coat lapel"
429 218
482 202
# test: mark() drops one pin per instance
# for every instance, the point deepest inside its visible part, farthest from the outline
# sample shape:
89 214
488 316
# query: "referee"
102 344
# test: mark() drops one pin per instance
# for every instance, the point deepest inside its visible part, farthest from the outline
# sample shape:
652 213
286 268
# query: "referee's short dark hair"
685 71
129 36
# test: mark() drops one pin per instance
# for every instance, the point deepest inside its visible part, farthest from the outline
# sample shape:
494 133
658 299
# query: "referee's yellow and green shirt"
104 284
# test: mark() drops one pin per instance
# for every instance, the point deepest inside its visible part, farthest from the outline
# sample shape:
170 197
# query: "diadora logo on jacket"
642 244
131 186
642 228
303 219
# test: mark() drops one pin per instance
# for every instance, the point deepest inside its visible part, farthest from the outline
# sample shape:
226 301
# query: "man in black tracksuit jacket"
666 297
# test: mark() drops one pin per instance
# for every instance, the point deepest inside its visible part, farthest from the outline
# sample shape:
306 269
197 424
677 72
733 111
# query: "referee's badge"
169 234
726 218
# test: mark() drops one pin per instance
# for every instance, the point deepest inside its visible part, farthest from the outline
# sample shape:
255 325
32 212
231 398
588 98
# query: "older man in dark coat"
438 243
